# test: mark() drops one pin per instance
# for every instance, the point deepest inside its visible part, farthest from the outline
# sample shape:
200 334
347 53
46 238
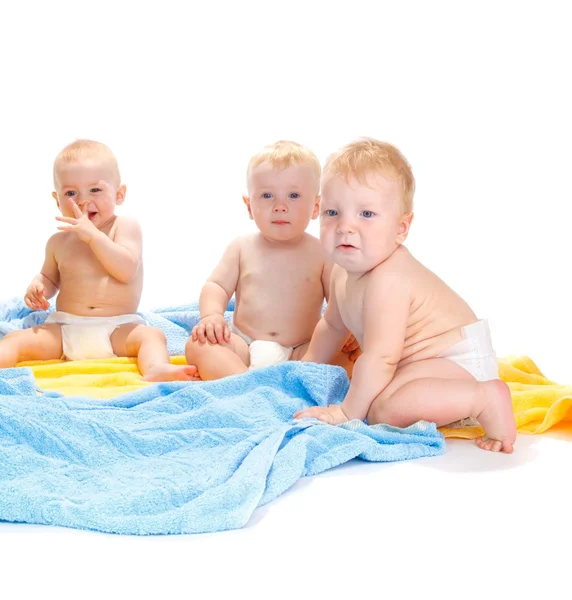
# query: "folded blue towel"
179 457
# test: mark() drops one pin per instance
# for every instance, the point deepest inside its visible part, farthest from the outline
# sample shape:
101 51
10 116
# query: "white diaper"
264 353
89 337
475 352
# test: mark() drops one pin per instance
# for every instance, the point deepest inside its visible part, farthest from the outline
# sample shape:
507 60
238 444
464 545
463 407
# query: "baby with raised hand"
95 263
426 356
280 274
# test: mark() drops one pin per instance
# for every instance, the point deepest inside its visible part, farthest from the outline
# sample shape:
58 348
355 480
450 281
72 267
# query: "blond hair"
283 154
82 149
368 156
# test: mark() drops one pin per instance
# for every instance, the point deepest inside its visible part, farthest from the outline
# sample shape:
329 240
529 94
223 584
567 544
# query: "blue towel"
179 457
176 457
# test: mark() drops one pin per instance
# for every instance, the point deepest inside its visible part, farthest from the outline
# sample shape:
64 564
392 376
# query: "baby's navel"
273 333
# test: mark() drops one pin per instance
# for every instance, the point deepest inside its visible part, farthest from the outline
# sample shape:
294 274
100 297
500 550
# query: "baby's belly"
282 322
89 301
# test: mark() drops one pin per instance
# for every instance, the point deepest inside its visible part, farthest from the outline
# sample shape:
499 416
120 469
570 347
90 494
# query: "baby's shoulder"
126 223
312 247
56 240
398 270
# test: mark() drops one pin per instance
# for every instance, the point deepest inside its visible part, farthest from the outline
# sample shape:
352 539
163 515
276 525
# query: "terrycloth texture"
179 457
175 321
538 403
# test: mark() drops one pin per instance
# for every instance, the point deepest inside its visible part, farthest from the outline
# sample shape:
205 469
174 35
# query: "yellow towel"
539 403
101 378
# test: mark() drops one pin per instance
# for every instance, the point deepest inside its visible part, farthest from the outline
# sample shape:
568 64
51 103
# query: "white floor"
466 524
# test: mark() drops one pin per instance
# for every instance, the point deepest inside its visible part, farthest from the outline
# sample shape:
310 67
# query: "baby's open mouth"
91 215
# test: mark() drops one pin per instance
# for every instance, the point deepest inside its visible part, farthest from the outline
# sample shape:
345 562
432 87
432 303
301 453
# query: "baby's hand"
81 224
333 414
212 328
352 348
35 298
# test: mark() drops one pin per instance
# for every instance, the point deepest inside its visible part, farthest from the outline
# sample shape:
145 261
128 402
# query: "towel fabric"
538 403
179 457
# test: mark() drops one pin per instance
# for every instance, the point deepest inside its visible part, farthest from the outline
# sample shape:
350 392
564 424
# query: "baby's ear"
316 210
55 197
404 225
120 195
246 200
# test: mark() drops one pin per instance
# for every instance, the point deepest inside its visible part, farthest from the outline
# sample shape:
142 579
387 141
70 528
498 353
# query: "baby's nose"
280 207
346 226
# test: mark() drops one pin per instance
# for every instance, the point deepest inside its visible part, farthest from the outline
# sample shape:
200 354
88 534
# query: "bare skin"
403 316
95 262
280 277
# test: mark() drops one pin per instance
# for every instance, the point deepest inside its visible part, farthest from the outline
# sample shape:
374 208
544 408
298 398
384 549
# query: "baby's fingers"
226 333
220 332
29 303
307 413
201 333
211 335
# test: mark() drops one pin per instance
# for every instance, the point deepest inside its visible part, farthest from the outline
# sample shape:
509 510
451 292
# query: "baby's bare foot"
497 418
172 373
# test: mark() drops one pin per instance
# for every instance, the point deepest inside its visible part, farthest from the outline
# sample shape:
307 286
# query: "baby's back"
279 295
86 288
436 315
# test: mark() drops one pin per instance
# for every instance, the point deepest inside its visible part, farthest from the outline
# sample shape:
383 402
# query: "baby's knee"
193 348
16 340
145 335
380 412
156 334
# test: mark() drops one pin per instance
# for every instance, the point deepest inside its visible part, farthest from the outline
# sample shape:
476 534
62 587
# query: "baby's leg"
149 345
215 361
441 391
341 359
43 342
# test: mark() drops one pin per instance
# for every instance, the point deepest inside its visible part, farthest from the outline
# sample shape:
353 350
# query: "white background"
476 95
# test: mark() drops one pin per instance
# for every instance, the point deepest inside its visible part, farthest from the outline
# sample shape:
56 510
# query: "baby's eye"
94 190
294 195
267 195
368 214
331 212
70 193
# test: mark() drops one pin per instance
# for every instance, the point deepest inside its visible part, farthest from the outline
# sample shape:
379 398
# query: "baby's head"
367 203
86 172
283 182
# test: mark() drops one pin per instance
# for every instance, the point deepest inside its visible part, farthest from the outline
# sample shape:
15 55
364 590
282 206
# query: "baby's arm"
47 282
386 310
215 295
330 332
351 346
120 257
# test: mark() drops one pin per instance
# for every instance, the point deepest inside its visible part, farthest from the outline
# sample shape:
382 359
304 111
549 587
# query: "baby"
95 263
425 354
280 275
